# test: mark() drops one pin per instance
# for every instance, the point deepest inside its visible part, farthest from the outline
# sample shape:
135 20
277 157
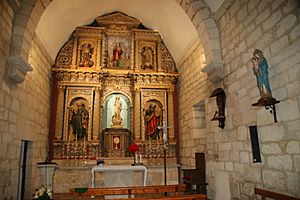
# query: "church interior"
126 93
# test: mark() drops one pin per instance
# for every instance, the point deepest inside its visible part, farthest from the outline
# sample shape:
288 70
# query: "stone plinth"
47 173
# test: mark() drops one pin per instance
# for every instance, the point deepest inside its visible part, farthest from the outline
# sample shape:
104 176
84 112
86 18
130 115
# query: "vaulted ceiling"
61 17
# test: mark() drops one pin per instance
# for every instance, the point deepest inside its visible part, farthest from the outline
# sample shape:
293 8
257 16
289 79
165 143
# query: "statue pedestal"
47 169
268 103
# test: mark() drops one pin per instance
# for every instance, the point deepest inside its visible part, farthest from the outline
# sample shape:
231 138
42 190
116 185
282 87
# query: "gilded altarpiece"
115 82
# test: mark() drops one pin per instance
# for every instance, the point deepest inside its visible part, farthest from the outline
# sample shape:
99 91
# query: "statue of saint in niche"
147 58
153 119
86 53
260 69
221 102
78 118
117 56
116 118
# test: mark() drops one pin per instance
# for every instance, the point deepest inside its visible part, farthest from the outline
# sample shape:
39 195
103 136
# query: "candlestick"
84 145
75 146
68 147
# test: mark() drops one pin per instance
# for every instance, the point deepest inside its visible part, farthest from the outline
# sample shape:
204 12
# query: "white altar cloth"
119 168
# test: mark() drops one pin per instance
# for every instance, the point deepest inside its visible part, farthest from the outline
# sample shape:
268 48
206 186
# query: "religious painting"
116 112
117 53
153 113
153 118
78 118
78 114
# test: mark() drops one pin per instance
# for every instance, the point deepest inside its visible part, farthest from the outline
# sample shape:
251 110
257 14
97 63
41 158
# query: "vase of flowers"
42 193
134 150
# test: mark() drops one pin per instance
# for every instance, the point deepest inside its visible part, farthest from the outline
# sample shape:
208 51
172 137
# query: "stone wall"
194 88
24 113
273 27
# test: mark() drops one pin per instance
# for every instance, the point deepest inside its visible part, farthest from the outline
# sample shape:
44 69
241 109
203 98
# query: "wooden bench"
177 190
68 196
178 197
129 190
273 195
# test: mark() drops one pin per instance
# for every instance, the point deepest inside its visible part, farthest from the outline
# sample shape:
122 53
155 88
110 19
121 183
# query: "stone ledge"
215 72
17 69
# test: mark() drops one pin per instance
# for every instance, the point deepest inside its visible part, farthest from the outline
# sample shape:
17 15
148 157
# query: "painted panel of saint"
78 118
118 52
153 118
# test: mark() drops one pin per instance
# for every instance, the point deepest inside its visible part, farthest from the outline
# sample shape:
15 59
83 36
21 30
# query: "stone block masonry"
24 113
273 27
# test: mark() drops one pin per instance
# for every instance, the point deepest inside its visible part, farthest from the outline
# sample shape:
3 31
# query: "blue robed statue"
260 69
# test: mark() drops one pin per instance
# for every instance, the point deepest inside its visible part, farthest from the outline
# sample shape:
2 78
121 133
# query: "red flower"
133 148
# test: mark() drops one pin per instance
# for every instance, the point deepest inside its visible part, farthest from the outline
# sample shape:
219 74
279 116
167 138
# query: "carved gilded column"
171 114
137 114
75 50
158 56
98 56
103 52
96 119
59 112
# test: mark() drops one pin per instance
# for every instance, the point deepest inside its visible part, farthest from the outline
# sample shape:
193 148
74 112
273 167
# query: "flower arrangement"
135 151
42 193
133 148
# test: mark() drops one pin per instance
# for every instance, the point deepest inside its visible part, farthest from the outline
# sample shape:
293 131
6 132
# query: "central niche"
116 124
116 111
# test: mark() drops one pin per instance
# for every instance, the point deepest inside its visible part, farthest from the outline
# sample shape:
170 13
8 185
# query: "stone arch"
201 16
29 12
27 16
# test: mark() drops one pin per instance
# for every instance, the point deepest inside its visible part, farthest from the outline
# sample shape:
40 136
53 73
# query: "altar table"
119 168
